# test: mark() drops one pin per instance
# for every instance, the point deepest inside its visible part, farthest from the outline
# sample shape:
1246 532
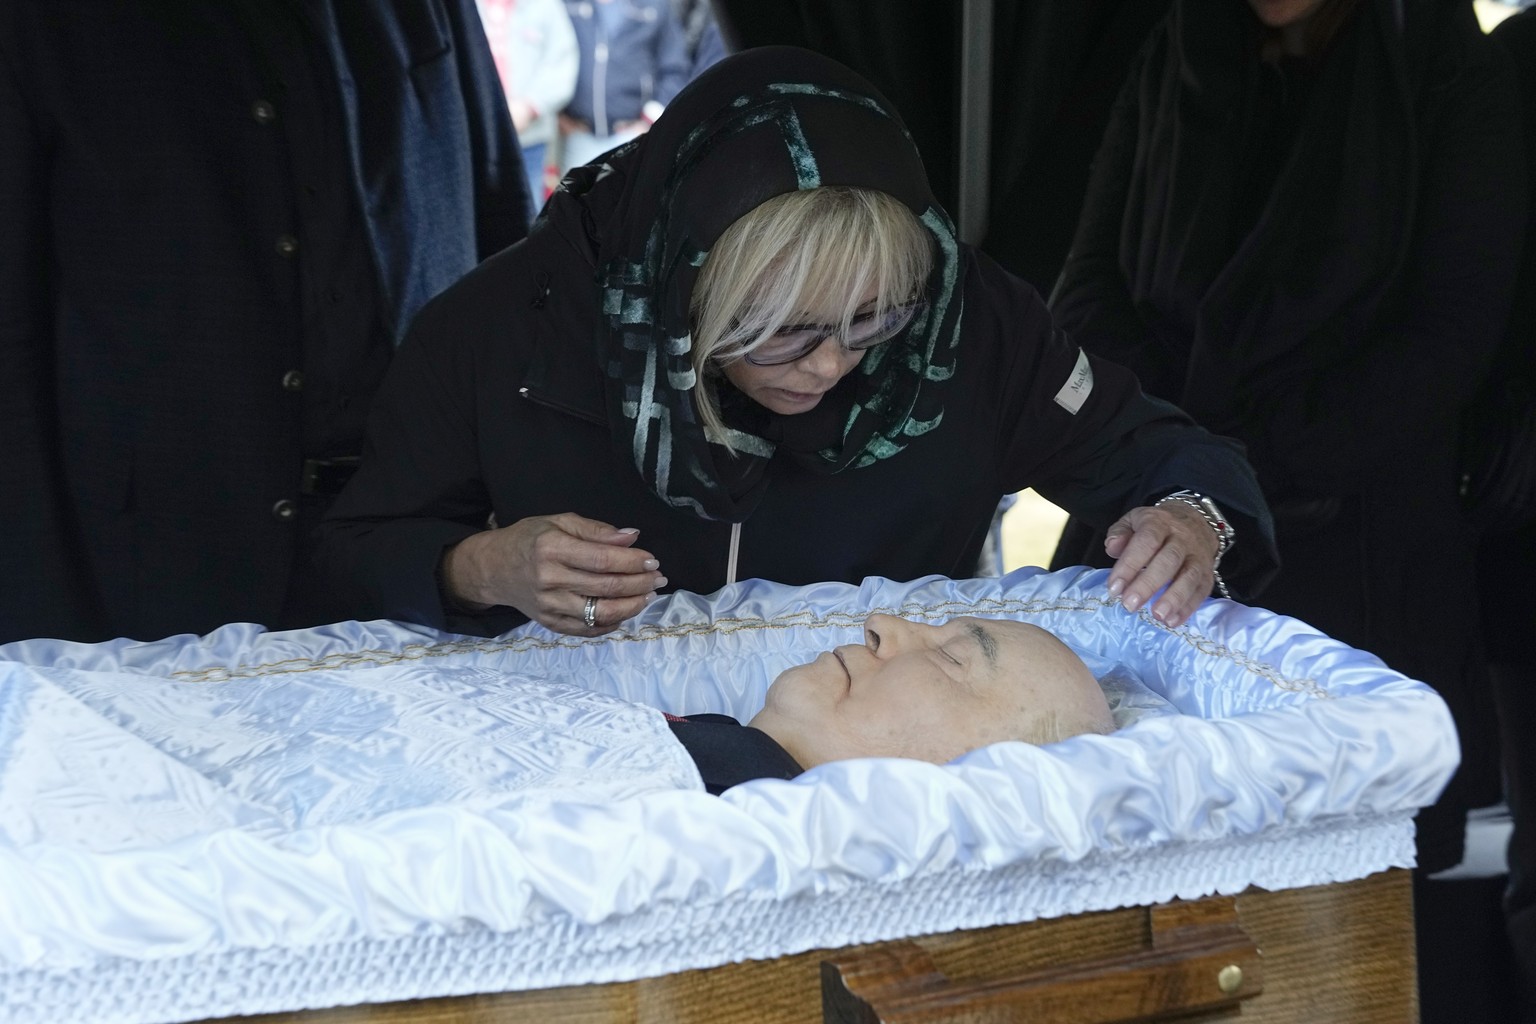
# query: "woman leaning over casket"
748 344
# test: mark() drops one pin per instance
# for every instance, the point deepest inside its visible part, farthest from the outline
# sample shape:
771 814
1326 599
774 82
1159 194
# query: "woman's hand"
1171 545
547 566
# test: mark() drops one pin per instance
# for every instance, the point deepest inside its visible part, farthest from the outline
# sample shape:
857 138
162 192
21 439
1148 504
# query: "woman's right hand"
547 566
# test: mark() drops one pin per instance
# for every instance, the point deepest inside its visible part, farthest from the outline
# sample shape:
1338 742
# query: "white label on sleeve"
1078 386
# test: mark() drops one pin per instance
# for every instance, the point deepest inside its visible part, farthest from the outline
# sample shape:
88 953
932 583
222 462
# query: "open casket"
456 829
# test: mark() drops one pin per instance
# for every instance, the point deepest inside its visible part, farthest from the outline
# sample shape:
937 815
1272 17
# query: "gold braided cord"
943 610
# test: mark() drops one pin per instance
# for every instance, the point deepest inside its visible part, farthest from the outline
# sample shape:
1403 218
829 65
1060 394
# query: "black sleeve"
419 489
727 752
1078 429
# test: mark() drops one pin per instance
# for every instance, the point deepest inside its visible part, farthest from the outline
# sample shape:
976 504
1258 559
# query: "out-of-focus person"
701 34
634 59
535 51
218 220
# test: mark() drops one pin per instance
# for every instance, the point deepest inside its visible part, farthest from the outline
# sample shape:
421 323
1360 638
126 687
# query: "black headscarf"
758 124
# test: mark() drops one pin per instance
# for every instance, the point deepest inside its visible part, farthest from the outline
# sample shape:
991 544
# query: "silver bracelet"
1226 536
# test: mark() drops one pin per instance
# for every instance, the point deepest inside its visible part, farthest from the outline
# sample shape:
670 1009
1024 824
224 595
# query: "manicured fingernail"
629 529
651 565
1115 587
661 581
1131 602
650 597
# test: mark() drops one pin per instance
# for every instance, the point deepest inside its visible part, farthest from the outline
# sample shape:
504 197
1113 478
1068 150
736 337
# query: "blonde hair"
802 257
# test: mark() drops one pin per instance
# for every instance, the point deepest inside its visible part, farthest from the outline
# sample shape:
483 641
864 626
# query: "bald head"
1057 696
933 693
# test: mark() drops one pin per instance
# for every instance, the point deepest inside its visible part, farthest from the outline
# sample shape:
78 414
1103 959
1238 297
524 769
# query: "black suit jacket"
217 219
728 753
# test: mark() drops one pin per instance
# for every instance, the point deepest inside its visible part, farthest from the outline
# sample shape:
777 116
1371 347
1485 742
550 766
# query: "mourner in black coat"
1313 252
216 219
619 370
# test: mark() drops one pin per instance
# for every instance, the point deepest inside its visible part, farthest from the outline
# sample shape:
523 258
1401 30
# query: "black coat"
1507 560
1318 262
501 405
198 203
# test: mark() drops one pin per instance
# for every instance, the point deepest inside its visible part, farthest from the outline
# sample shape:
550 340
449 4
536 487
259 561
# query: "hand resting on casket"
912 690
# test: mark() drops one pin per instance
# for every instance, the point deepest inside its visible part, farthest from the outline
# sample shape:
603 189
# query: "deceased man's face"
932 692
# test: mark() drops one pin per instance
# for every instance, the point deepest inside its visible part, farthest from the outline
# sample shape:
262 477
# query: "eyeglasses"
796 341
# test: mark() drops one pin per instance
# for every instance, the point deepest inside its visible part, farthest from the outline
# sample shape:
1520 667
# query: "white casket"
371 813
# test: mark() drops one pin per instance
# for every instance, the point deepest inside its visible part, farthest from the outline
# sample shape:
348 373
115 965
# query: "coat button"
284 511
287 245
293 380
263 112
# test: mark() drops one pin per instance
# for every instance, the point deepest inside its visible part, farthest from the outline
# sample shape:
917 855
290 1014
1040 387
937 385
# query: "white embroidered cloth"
252 822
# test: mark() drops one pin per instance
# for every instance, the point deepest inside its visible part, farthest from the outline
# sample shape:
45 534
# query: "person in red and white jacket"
535 51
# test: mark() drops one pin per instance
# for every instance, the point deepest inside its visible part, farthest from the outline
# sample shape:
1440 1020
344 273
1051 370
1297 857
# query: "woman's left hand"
1170 545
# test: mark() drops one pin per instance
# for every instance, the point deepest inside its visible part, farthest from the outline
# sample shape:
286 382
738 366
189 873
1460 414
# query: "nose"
886 635
829 361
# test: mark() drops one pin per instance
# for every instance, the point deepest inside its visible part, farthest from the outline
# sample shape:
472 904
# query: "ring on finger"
589 613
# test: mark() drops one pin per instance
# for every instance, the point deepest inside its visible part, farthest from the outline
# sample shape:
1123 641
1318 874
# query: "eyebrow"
984 640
